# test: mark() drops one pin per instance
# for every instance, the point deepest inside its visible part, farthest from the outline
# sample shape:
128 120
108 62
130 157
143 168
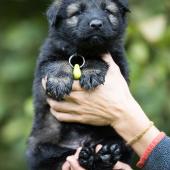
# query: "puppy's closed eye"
75 9
109 12
111 8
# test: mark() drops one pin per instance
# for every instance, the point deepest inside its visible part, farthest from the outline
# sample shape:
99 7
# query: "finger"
63 106
77 153
64 117
122 166
74 163
75 96
98 147
84 119
53 104
108 59
66 166
76 86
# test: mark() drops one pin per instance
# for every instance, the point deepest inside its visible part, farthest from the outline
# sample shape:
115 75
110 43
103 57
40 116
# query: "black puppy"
88 28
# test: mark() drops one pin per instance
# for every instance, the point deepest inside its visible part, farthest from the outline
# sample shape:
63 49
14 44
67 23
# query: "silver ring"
76 55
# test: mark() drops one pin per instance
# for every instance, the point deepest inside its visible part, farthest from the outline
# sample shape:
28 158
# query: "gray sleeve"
160 157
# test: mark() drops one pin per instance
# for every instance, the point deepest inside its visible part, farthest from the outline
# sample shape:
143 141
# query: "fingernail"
98 148
69 158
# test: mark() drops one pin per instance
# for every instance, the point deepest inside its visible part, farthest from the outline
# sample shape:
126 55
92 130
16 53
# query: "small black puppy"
88 28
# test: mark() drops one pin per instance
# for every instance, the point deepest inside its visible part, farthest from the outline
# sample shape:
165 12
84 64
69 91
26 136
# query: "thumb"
77 153
109 60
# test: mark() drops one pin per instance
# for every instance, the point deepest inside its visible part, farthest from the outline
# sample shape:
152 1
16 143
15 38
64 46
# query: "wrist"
132 122
141 145
130 115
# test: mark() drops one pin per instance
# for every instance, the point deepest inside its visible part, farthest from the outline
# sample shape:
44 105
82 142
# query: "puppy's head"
88 22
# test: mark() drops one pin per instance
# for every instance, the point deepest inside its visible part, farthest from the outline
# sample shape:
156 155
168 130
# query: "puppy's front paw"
91 79
58 87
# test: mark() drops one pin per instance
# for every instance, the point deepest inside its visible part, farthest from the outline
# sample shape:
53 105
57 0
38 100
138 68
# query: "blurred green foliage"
23 28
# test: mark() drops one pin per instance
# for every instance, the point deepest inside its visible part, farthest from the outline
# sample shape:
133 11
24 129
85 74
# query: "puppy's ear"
125 5
52 12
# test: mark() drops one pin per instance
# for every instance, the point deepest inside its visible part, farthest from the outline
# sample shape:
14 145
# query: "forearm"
133 121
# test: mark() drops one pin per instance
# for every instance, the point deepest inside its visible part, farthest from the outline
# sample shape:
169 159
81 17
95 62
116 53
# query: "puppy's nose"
96 24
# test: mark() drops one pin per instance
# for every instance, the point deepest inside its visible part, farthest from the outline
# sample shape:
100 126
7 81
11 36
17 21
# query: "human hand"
102 106
72 162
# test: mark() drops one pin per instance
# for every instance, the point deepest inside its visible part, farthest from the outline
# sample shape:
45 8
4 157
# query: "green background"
23 27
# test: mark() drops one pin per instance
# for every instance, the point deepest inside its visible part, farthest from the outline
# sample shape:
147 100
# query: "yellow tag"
77 72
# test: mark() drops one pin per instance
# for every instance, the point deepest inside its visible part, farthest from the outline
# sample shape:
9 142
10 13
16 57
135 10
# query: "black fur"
51 141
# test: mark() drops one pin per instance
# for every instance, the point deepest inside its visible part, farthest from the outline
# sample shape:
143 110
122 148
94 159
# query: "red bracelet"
149 149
